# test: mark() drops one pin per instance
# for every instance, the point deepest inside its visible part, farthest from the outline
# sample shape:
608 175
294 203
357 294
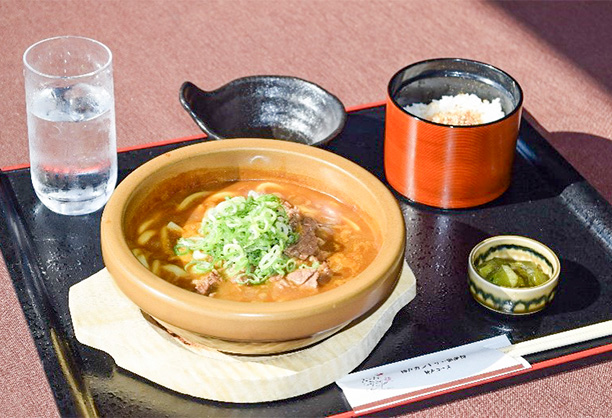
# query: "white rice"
462 109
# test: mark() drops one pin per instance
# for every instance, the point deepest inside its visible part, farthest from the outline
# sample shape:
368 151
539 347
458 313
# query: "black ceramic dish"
276 107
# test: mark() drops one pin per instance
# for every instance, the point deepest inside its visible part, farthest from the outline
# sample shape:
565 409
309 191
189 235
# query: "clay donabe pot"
450 166
256 327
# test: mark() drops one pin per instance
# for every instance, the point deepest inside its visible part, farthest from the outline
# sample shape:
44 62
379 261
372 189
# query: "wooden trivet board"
104 318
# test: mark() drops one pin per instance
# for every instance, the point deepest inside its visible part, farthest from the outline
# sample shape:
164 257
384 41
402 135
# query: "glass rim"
89 74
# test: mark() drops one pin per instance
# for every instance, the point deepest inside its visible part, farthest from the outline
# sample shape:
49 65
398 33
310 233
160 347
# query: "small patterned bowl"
513 301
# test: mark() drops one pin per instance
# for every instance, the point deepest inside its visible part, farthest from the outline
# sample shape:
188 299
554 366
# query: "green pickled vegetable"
531 273
512 273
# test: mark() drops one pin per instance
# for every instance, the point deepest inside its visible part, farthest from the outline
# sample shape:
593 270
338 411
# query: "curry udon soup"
253 241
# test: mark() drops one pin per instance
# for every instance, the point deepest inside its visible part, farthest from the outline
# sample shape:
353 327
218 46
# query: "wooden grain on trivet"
105 319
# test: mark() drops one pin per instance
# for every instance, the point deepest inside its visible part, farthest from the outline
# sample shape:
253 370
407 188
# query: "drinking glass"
71 123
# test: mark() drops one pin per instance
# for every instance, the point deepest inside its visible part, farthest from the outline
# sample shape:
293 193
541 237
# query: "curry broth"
153 233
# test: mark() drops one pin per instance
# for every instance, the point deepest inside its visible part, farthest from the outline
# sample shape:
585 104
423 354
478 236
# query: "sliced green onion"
180 249
246 237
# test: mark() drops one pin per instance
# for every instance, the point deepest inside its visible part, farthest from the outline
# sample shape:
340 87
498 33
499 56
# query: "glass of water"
71 123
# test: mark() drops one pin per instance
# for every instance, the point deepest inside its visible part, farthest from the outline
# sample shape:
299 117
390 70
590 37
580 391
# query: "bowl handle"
193 98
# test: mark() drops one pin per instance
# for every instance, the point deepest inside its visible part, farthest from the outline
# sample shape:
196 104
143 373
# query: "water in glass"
71 123
72 147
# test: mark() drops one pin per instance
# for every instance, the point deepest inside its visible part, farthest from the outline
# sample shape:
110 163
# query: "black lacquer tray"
548 200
